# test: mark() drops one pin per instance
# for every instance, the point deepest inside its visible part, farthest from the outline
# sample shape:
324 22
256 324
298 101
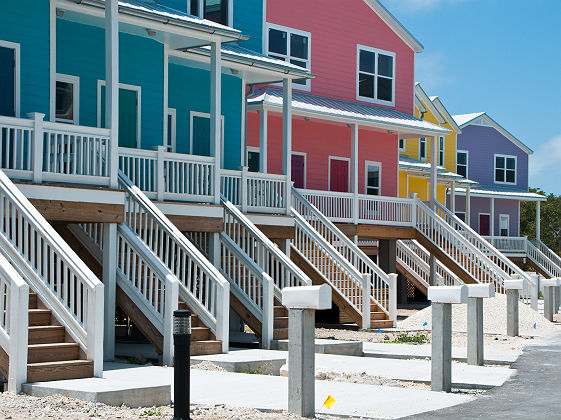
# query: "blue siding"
26 22
81 52
190 91
248 18
180 5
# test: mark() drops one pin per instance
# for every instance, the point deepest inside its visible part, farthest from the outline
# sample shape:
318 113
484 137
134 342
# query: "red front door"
339 178
484 224
298 168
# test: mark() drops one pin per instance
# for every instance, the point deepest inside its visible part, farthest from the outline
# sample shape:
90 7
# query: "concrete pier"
476 294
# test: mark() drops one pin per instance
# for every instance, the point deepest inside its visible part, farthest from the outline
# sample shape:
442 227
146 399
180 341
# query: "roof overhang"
444 177
502 195
444 112
422 96
176 33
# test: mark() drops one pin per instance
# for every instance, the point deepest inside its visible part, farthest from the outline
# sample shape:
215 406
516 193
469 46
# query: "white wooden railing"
382 289
37 150
250 284
14 304
553 258
201 285
53 270
261 250
513 246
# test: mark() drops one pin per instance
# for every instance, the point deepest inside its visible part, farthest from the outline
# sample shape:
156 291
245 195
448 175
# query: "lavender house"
498 161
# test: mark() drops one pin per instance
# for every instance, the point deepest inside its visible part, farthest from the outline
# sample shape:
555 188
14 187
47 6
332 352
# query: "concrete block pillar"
513 288
550 288
387 253
476 294
433 281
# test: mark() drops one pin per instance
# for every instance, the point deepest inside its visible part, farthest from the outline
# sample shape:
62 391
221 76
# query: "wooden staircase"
280 318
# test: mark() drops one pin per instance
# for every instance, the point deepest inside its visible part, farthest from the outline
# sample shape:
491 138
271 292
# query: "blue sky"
498 56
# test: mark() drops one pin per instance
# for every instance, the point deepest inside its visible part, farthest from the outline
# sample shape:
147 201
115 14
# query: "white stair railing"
262 250
382 290
252 286
544 257
52 270
14 304
201 285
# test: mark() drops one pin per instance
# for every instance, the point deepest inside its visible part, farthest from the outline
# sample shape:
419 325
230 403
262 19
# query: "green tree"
550 220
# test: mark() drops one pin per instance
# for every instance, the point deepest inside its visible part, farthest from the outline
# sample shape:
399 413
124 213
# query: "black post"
181 364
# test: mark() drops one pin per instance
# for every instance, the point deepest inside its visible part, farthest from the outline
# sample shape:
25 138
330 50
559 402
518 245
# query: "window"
375 75
422 148
461 215
170 143
290 45
402 145
253 159
67 98
200 134
441 151
218 11
462 163
504 222
373 178
505 169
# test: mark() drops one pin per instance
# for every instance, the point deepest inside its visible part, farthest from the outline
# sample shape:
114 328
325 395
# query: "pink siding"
321 139
337 27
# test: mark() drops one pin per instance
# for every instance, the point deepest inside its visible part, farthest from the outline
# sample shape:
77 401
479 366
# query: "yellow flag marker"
329 401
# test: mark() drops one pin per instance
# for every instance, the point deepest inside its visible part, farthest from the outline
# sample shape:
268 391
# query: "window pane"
422 149
253 162
170 127
367 61
385 89
278 57
201 136
511 163
402 144
510 176
299 63
277 41
65 101
217 11
373 176
462 158
299 46
366 85
500 162
195 7
499 175
385 65
462 170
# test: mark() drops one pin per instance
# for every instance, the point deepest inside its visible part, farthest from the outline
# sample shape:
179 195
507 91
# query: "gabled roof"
481 118
395 25
444 112
348 112
424 98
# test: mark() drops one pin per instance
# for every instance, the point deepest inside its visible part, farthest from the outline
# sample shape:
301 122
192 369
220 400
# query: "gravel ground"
23 407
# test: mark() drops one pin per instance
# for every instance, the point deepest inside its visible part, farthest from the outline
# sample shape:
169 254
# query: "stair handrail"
548 252
542 256
444 271
81 316
262 307
14 303
349 250
495 273
214 311
301 278
504 263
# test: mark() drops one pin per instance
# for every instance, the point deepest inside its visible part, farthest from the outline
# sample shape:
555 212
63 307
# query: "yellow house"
414 162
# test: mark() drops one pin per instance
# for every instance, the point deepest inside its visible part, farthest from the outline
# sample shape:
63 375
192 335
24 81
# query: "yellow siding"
421 186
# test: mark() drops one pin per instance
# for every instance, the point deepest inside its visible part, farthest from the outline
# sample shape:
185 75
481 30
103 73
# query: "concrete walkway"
533 393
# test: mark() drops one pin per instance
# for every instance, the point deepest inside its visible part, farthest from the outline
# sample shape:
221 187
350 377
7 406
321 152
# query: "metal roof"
465 118
408 163
509 193
353 112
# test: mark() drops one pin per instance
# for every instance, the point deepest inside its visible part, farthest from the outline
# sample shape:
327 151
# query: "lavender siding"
483 143
483 205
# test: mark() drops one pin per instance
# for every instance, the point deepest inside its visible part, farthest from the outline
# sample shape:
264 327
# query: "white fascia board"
188 209
424 98
72 194
444 112
512 196
262 219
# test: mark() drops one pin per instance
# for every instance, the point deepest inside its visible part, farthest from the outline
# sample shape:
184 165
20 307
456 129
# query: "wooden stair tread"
59 370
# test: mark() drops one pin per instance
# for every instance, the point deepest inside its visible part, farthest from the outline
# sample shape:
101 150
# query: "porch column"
453 198
492 221
112 85
244 161
216 114
110 288
538 221
433 169
287 138
354 170
263 117
468 206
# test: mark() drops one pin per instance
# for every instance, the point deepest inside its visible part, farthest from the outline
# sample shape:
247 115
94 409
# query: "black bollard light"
181 364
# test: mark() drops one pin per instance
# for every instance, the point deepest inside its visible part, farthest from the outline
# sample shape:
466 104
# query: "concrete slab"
423 351
325 346
263 362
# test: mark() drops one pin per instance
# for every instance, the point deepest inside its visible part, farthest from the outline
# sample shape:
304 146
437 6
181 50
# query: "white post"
216 114
110 287
366 301
393 298
492 221
263 115
52 61
468 206
223 316
171 301
94 328
243 189
538 220
112 85
268 312
37 146
17 368
243 139
453 198
433 169
287 139
354 170
160 185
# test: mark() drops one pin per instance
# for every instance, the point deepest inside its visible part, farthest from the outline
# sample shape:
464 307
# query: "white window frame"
376 51
193 114
202 7
467 161
372 163
507 216
329 170
17 73
424 141
461 212
479 223
75 82
305 165
253 149
404 148
515 169
172 112
125 86
441 150
307 87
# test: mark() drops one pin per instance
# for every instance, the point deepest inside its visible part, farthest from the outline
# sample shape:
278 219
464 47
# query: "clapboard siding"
26 22
190 91
81 52
248 18
483 205
337 27
180 5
